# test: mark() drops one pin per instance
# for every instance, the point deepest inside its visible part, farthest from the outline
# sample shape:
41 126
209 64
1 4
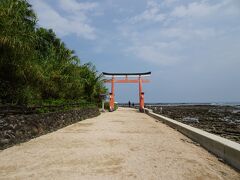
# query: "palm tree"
17 25
17 35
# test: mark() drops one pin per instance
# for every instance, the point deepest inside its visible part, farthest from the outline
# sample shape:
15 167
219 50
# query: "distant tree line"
36 66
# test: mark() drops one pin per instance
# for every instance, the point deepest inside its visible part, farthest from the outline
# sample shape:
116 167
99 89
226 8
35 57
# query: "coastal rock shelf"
220 120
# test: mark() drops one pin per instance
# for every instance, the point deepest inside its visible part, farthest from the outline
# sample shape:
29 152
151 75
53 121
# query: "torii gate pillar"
111 96
141 95
126 80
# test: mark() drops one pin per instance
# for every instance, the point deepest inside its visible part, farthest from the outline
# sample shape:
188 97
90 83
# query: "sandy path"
121 145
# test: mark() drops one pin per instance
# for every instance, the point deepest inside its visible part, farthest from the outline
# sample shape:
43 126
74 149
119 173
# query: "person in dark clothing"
129 104
133 104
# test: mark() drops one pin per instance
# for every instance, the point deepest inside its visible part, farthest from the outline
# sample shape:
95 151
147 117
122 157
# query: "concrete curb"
223 148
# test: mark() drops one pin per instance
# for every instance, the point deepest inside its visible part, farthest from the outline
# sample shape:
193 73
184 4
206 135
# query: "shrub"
106 106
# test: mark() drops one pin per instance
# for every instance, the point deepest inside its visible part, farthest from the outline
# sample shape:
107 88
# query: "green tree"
17 36
36 66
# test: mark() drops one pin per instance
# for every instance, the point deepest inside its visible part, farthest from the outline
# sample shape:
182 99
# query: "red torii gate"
139 80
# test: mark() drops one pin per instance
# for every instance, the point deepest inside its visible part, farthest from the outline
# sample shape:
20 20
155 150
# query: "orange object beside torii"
126 80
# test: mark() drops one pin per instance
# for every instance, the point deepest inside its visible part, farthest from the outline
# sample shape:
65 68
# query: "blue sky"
192 47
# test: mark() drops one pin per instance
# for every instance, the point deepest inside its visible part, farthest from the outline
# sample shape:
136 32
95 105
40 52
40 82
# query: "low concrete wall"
225 149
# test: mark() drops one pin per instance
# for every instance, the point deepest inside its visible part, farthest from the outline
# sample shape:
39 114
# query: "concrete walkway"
124 144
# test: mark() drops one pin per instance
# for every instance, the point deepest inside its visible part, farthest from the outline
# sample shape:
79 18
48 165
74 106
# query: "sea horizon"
186 103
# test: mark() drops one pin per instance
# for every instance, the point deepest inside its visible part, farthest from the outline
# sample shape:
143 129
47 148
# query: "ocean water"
234 104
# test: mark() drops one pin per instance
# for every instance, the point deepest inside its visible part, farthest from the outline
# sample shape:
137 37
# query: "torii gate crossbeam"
139 80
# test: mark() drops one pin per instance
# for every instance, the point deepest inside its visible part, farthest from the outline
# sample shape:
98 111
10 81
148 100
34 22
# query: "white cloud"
151 13
196 9
75 6
188 34
72 19
153 54
183 27
149 47
169 1
203 9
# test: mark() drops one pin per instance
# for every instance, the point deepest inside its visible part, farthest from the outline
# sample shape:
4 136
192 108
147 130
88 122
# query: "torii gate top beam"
126 80
127 74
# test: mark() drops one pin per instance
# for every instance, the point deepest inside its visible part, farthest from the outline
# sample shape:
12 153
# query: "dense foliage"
36 66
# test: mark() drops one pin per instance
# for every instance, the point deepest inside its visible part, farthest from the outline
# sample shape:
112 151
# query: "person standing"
129 104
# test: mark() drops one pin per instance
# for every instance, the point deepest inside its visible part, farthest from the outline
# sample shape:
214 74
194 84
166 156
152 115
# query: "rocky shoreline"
220 120
15 129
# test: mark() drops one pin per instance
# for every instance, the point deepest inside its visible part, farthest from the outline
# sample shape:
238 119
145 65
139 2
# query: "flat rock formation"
124 144
220 120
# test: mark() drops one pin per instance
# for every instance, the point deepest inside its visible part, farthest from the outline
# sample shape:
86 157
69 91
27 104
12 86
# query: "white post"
103 110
